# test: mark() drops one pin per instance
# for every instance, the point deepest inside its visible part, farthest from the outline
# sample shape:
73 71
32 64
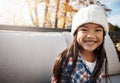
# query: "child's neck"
88 56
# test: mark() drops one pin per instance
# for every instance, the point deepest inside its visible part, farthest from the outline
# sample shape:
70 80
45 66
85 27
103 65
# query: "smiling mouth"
90 42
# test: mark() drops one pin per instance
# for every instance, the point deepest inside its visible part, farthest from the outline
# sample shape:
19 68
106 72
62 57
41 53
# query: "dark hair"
72 51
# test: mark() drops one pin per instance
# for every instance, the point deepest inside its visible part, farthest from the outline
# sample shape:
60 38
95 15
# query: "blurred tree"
33 12
115 36
113 28
48 13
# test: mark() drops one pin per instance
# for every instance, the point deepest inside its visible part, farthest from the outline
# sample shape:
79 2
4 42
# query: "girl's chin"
89 49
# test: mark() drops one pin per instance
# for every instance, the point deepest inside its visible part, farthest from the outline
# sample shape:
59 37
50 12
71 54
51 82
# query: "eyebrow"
99 26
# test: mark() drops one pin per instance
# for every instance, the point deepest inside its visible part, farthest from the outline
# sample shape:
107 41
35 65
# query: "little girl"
85 59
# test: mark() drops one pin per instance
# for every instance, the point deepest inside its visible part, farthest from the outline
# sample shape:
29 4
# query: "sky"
114 16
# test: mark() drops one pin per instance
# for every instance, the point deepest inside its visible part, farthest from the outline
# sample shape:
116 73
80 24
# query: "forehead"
93 25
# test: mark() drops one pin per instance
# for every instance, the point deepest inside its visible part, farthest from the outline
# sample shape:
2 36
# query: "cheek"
101 38
79 37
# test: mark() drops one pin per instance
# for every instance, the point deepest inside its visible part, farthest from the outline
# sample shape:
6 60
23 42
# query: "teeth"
90 42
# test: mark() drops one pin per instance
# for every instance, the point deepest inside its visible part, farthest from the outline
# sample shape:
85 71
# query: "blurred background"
56 14
51 13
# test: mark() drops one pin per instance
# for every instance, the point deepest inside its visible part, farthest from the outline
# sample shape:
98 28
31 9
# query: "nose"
91 35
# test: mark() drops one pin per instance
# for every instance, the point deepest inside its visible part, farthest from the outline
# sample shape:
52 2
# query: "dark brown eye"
83 29
98 30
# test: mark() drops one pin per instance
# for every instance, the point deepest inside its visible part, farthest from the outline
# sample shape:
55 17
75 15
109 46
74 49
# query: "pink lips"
90 43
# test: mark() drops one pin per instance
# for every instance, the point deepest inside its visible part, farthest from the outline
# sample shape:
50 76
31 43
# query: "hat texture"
90 14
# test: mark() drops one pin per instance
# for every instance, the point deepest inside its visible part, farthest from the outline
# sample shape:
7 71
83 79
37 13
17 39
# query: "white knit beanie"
90 14
96 14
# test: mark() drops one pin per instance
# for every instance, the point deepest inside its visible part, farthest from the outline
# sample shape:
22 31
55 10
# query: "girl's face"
90 36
